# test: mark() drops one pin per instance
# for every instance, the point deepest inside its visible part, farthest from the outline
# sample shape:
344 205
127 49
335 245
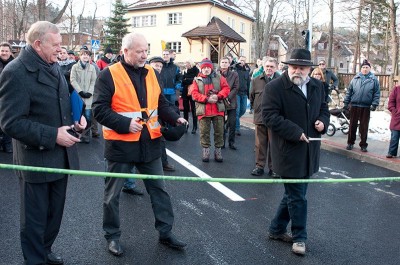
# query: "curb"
377 160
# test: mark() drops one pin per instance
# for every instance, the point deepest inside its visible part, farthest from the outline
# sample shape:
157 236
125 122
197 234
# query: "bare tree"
42 10
394 36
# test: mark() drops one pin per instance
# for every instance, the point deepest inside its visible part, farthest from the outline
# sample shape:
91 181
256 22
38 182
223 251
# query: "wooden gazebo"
219 36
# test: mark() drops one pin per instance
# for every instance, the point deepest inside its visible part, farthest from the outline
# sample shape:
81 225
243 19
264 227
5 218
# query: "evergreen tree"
117 27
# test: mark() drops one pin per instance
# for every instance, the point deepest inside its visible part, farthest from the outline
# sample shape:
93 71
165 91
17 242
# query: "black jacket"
244 78
144 150
4 63
33 104
288 114
187 79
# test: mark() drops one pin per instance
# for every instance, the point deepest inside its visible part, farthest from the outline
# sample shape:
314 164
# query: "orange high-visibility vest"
125 102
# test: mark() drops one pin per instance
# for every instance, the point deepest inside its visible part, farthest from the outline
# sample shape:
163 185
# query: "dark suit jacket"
32 107
288 114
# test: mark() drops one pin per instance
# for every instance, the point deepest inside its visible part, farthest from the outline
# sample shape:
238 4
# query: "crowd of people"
136 100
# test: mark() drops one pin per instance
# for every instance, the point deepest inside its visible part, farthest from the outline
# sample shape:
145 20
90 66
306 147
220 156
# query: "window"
177 46
148 49
233 24
174 18
144 21
242 28
242 52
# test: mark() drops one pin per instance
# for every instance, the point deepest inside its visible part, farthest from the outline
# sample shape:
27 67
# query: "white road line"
218 186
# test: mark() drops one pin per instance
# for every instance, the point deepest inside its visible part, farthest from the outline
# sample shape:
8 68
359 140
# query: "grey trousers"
160 200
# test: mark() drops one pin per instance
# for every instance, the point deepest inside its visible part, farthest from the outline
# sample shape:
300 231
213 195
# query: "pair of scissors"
147 119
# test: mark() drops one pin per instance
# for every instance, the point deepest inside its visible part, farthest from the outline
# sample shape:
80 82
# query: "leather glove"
373 108
88 95
85 94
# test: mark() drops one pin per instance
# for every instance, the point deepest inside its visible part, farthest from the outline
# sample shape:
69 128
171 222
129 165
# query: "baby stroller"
340 118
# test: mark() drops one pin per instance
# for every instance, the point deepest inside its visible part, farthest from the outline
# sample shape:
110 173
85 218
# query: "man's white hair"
129 40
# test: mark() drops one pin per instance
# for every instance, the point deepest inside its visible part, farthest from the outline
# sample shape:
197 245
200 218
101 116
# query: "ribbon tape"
180 178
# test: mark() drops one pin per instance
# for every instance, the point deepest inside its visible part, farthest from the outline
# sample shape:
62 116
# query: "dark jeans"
189 106
164 156
293 207
42 207
359 114
230 125
6 140
160 200
394 142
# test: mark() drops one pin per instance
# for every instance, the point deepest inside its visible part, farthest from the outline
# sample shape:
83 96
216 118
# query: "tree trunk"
357 51
395 38
267 29
369 36
61 13
257 29
42 9
330 44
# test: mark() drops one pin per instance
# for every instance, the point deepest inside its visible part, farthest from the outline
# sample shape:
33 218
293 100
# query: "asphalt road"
347 223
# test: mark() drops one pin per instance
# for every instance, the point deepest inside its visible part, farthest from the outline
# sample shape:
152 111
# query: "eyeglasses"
167 54
321 64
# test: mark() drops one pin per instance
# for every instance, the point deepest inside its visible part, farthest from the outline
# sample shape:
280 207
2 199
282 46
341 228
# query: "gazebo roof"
215 28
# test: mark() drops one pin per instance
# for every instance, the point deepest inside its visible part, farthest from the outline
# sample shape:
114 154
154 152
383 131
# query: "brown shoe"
206 154
285 237
218 155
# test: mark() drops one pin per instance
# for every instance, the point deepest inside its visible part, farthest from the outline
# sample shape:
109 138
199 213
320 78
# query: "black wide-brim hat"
174 133
300 57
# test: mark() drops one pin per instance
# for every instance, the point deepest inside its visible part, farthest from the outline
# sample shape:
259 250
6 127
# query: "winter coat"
256 95
33 105
211 109
103 62
84 80
4 63
288 114
394 108
171 78
233 81
146 149
66 67
363 91
329 75
187 80
244 78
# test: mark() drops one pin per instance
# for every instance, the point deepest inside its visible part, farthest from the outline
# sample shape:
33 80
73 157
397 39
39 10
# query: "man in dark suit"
30 86
295 111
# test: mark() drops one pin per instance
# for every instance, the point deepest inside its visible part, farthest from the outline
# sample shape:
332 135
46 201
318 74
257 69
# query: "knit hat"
71 52
206 63
108 50
365 62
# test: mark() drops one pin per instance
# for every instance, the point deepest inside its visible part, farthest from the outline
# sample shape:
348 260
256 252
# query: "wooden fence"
384 81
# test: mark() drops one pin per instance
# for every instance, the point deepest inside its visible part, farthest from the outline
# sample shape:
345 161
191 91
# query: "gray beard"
297 80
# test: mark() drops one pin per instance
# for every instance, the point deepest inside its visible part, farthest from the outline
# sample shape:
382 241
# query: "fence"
384 81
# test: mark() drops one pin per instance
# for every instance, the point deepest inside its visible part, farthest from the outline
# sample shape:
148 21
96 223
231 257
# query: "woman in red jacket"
394 108
209 91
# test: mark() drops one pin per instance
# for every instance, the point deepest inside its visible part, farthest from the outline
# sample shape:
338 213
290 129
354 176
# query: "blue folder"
77 106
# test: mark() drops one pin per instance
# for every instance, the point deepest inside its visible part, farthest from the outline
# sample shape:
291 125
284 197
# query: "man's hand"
304 138
135 126
64 138
181 120
319 125
373 108
81 125
213 99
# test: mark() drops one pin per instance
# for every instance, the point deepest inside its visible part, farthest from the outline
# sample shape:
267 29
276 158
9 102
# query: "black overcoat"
32 106
288 114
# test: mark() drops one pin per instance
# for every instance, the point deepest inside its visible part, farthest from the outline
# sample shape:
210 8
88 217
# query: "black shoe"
257 171
172 242
364 149
389 156
133 191
194 130
238 133
168 167
349 147
53 258
115 248
272 174
231 146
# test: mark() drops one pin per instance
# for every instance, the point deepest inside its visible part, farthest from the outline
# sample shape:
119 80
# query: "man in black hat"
363 94
294 110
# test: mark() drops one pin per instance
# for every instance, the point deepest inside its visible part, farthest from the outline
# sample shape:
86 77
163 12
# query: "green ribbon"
180 178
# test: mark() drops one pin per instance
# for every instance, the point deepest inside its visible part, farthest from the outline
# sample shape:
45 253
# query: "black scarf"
53 69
